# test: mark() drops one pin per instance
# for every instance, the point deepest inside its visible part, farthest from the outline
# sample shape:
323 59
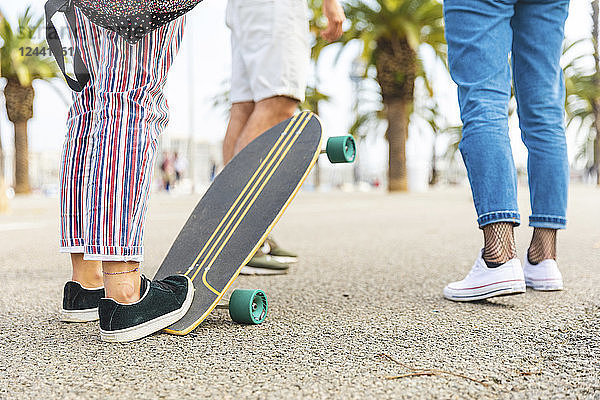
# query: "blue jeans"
481 34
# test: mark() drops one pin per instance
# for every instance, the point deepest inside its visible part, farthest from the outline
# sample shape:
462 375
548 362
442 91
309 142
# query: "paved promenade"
363 304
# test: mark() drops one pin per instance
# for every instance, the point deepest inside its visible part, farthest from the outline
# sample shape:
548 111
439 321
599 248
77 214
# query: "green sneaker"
262 271
264 264
271 248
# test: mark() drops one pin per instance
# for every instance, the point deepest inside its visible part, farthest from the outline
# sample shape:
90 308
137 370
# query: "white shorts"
271 49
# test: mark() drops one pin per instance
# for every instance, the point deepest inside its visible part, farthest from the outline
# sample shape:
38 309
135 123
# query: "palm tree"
596 102
582 80
583 94
582 105
392 32
20 70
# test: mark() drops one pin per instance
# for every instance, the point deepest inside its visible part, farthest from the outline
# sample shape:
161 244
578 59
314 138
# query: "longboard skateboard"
238 211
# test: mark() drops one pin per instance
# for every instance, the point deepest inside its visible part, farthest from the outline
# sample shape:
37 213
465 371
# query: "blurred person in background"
270 44
167 171
180 164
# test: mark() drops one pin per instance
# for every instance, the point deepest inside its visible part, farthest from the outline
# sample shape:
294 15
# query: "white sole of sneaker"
88 315
546 285
152 326
285 259
484 292
262 271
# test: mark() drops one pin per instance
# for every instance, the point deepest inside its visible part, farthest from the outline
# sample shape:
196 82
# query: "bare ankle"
89 282
122 291
87 273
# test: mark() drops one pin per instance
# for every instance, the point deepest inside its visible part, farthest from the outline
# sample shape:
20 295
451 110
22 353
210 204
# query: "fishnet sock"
543 245
499 243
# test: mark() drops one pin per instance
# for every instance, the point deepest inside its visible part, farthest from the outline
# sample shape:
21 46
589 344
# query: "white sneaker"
483 282
543 276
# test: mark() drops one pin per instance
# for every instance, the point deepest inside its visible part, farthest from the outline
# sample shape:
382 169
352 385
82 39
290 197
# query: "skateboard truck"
340 149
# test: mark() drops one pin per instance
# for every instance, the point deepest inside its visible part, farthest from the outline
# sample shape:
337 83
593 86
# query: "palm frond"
14 62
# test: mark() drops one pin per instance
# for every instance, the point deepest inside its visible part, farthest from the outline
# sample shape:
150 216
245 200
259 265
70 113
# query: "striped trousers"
111 144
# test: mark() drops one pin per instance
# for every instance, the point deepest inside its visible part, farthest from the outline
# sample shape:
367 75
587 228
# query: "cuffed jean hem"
114 253
499 216
547 221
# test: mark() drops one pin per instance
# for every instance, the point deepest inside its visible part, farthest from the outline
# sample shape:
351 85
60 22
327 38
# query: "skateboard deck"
239 210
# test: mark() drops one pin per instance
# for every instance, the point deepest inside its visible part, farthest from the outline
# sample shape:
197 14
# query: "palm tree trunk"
397 133
433 179
19 108
21 159
396 72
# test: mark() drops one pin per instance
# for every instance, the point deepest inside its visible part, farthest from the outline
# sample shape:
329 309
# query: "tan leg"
87 273
124 288
266 113
240 113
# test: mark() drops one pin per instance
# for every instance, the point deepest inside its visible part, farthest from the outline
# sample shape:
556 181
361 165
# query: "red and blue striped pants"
110 149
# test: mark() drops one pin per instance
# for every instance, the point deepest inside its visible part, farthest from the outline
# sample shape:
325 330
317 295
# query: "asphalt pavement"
363 305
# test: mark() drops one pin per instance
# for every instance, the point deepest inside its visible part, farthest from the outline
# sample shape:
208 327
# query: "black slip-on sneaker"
162 303
80 304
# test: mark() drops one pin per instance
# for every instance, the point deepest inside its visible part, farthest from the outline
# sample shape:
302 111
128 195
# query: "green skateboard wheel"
248 306
341 149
